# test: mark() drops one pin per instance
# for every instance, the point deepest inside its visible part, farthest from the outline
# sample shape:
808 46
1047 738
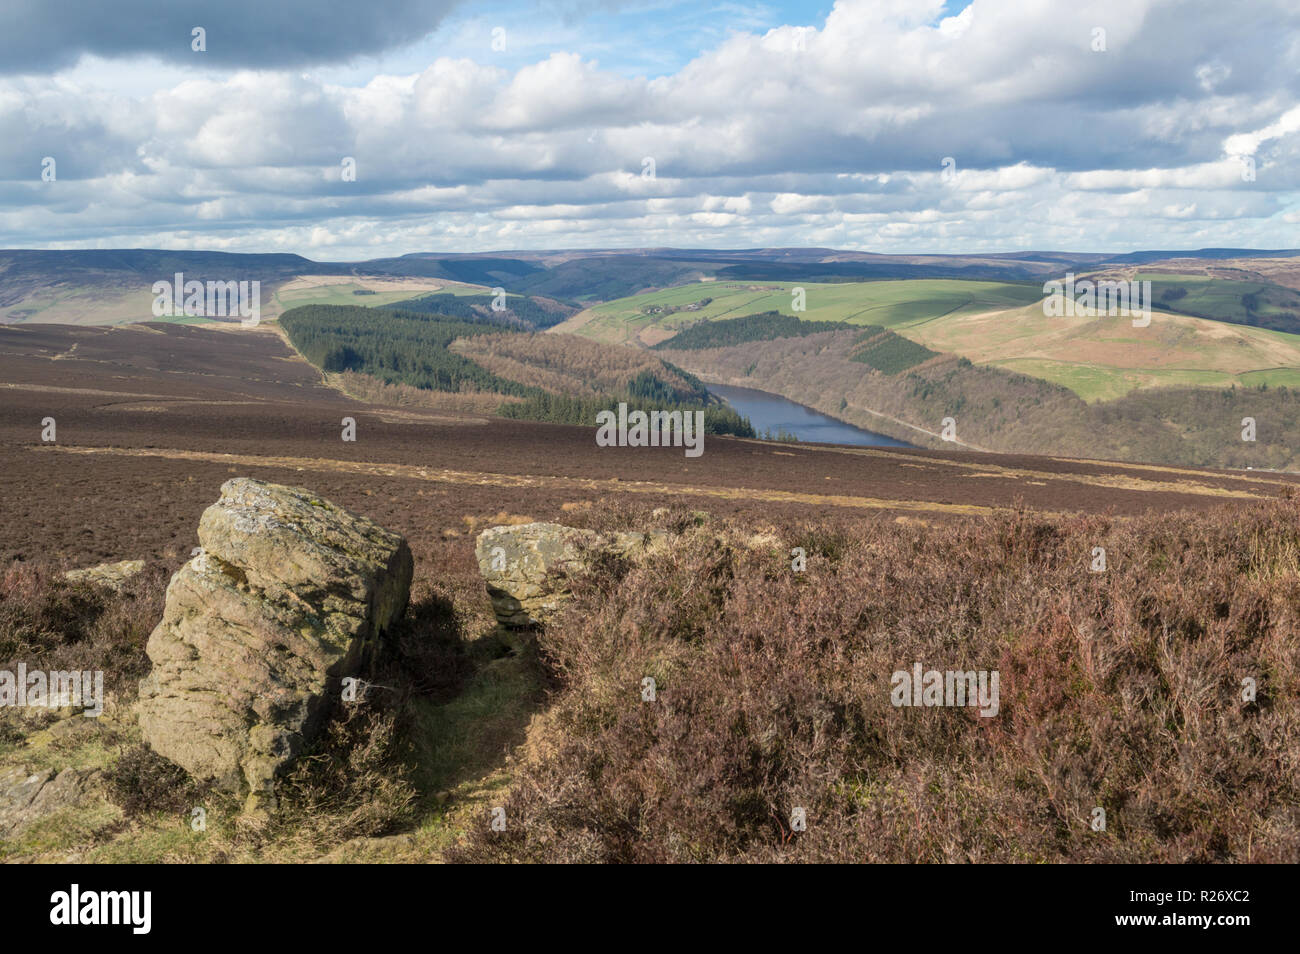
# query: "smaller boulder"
525 567
27 797
111 575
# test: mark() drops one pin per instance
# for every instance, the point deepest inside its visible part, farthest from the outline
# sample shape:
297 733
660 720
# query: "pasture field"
1104 357
890 304
1222 299
996 323
1219 297
343 289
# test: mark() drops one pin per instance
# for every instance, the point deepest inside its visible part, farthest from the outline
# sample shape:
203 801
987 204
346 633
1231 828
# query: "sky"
342 130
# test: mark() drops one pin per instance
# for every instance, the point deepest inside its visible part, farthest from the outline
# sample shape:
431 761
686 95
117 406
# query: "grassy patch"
886 303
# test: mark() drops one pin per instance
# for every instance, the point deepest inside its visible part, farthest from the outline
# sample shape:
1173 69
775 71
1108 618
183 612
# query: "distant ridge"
418 263
576 277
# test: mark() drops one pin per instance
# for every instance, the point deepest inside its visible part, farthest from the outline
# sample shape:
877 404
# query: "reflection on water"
773 413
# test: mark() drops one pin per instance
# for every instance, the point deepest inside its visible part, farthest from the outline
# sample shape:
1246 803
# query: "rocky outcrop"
111 575
288 595
525 567
28 797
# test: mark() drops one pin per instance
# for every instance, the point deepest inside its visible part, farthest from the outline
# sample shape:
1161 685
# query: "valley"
648 433
440 409
151 416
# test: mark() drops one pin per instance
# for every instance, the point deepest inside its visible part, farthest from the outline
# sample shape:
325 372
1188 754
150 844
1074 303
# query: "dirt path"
478 478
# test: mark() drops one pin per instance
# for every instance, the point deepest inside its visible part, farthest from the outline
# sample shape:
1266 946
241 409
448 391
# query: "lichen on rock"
111 575
525 567
288 595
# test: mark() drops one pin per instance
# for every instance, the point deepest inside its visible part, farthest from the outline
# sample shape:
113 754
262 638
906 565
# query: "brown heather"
566 364
1119 689
372 390
50 623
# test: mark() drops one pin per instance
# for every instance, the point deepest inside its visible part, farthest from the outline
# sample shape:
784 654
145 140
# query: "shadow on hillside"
466 699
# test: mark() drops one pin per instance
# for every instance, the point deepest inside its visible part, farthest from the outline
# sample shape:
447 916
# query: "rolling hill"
111 286
1102 358
1000 324
653 317
536 377
911 396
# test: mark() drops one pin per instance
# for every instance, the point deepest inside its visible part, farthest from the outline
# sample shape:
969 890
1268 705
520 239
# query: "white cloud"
1247 144
757 140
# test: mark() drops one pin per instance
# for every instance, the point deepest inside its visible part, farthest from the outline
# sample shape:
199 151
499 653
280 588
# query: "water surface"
771 412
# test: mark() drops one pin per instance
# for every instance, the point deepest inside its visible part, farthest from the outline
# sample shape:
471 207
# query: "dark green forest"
874 346
397 347
889 353
400 347
518 310
646 395
766 326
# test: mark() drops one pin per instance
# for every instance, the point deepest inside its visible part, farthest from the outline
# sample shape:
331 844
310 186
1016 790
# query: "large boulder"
288 595
526 567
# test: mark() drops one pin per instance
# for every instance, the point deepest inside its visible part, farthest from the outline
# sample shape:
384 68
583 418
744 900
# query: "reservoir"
771 412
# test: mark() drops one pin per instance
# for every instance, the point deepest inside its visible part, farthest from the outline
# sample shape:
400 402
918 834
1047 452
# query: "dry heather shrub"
141 781
424 654
358 778
50 623
1119 690
354 782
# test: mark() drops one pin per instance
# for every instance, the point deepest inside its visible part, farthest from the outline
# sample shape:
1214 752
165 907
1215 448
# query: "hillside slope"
1102 358
997 409
550 378
653 317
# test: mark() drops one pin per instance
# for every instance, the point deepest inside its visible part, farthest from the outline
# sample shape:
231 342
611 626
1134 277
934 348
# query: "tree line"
400 347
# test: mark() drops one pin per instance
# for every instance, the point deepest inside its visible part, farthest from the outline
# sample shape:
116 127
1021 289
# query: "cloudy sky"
881 125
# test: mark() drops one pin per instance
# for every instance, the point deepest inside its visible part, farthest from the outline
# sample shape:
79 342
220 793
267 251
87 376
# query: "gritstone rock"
288 595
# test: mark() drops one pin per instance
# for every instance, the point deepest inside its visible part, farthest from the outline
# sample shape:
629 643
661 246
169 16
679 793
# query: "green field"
1250 303
345 294
1096 383
1101 358
1001 324
890 304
